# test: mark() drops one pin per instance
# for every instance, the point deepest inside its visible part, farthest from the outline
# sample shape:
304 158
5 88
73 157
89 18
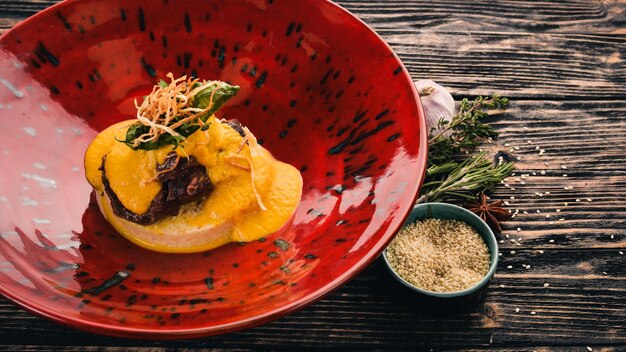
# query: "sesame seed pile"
439 255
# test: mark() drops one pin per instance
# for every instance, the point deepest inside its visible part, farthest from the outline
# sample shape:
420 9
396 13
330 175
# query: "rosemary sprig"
453 175
466 130
465 180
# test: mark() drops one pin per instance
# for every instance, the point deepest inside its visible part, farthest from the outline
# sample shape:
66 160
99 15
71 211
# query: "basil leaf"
221 96
201 100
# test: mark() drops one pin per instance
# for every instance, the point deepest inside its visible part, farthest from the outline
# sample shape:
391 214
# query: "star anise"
491 213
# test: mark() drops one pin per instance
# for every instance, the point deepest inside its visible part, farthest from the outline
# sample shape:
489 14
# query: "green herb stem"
474 175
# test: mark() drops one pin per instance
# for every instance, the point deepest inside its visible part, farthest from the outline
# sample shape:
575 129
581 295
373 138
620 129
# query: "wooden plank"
586 142
515 64
581 306
23 9
37 348
571 16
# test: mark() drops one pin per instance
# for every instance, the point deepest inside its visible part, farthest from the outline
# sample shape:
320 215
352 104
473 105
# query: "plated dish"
352 128
178 179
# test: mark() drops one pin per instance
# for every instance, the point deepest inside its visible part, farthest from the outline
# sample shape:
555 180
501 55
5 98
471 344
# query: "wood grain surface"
562 65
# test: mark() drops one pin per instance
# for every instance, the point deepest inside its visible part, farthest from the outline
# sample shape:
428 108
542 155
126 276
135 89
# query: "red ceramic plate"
319 89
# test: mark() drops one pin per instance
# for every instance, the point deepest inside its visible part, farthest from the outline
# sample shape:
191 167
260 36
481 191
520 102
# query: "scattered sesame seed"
547 193
565 203
525 212
516 310
507 144
537 147
519 238
519 158
578 200
526 128
564 175
513 174
509 267
517 179
533 313
605 273
558 210
620 253
546 285
534 174
511 150
612 237
562 219
501 241
543 172
542 151
513 216
527 266
507 236
511 197
548 215
516 148
563 167
530 141
588 199
541 251
523 182
551 241
500 253
546 163
589 349
519 229
507 203
502 286
538 211
513 252
551 222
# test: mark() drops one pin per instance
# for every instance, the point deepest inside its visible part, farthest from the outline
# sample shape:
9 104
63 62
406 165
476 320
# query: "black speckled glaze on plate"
319 90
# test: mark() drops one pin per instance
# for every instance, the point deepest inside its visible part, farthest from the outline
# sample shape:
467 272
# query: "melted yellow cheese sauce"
233 207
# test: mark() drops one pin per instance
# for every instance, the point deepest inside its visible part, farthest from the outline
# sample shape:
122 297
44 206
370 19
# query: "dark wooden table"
561 282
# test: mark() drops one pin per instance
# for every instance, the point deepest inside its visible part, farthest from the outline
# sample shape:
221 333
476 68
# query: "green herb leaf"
221 96
474 175
453 173
201 100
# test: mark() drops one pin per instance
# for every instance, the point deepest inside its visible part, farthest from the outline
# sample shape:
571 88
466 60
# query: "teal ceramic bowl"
446 211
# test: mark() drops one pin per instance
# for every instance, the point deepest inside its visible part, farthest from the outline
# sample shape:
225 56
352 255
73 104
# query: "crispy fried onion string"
165 104
233 160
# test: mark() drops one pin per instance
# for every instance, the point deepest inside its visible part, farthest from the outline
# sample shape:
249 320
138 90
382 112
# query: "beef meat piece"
236 125
183 181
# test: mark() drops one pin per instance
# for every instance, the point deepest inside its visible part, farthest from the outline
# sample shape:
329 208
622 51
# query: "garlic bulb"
437 103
